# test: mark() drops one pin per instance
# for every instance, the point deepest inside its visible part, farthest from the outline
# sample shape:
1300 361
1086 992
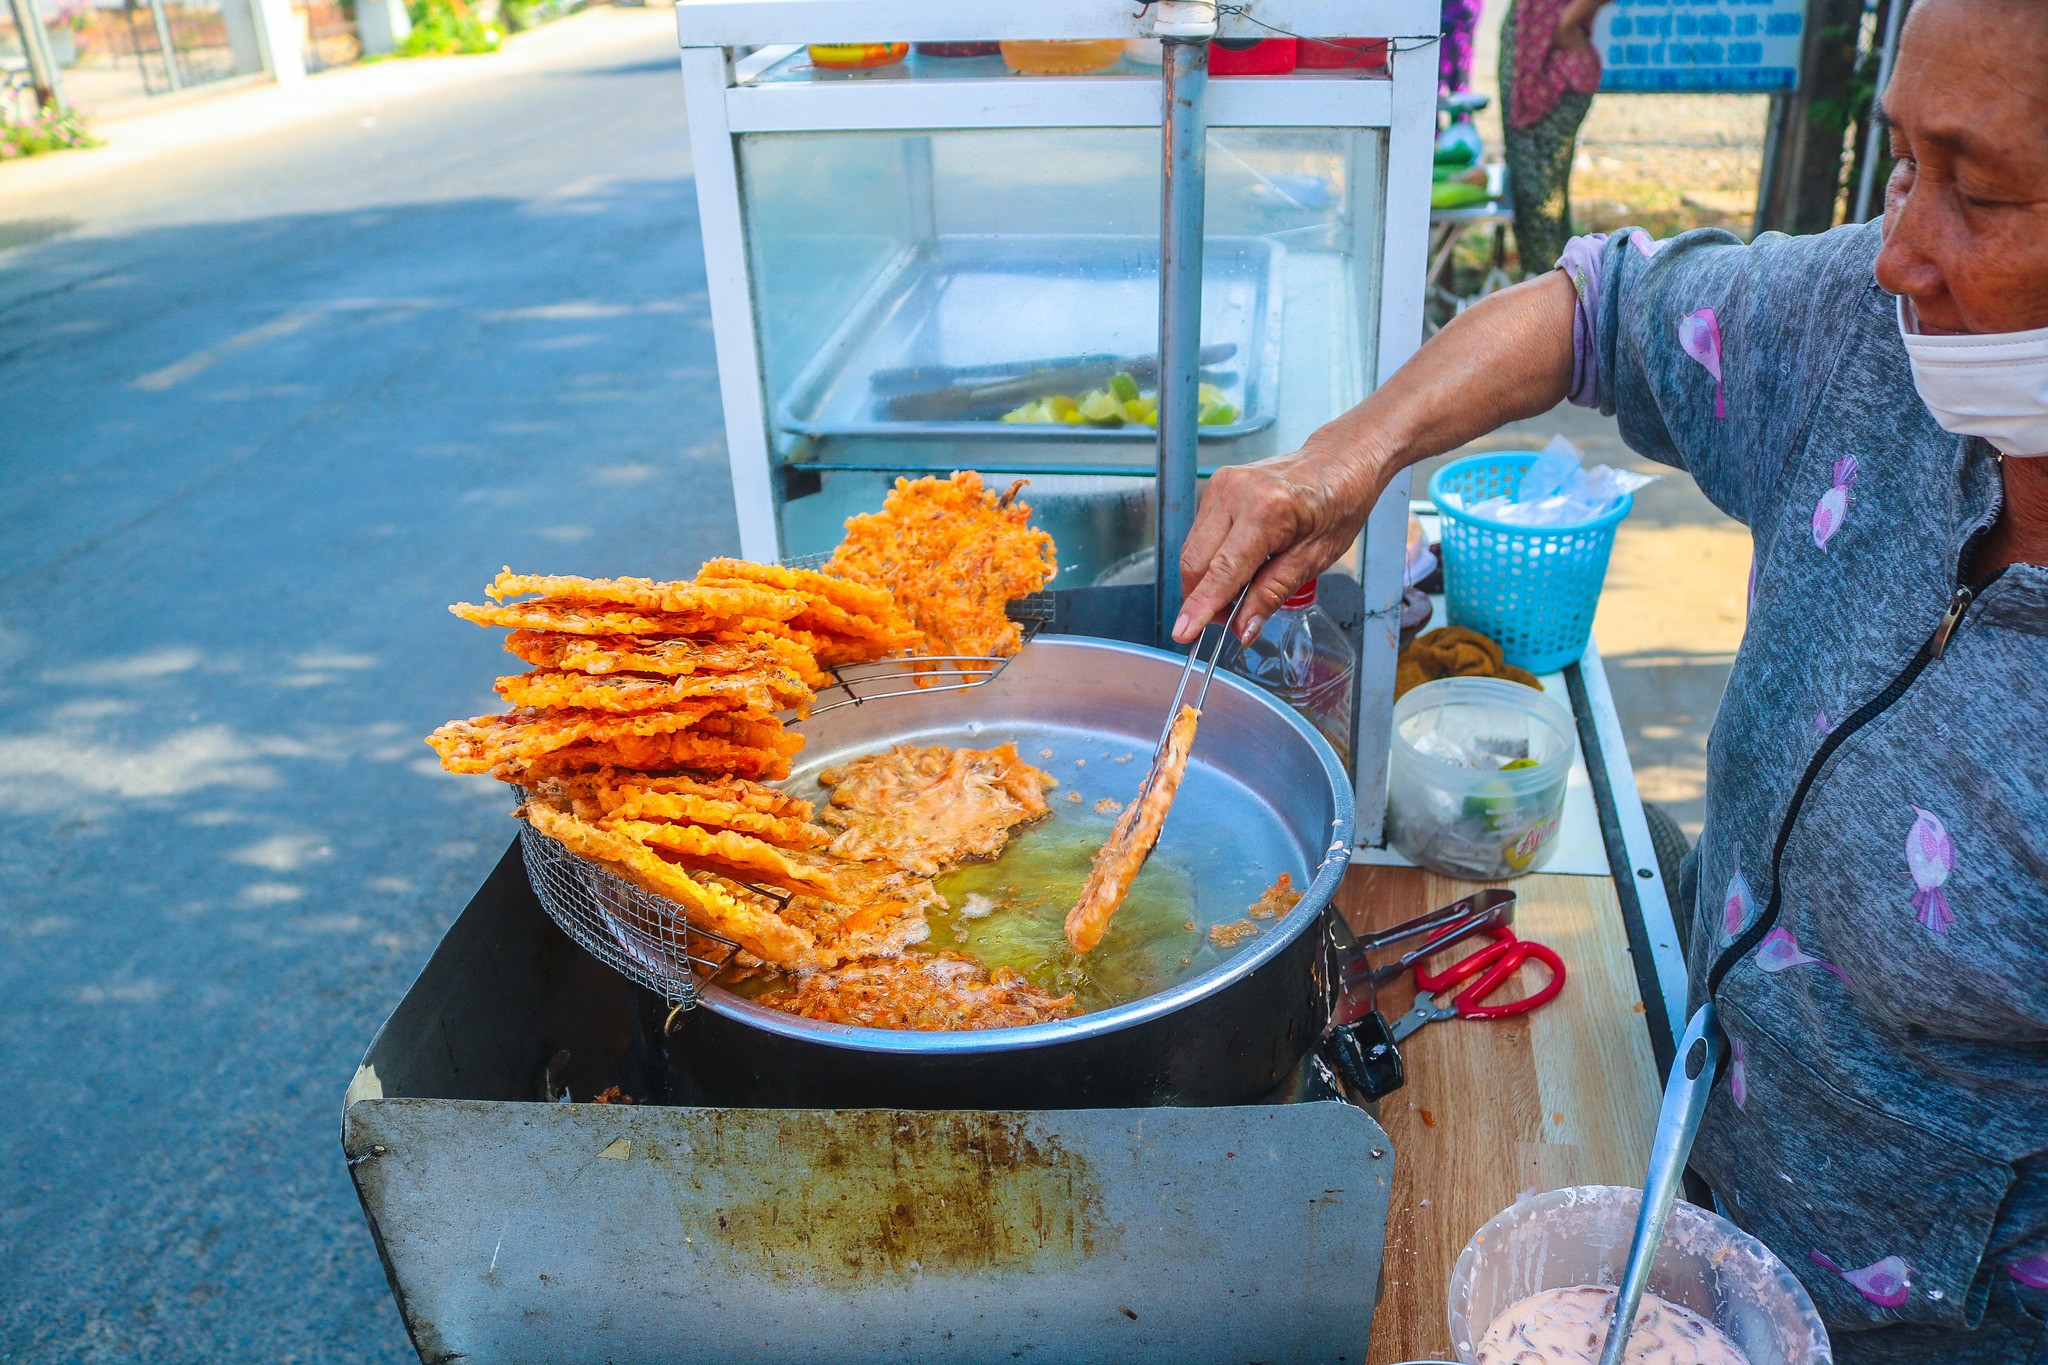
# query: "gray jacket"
1870 893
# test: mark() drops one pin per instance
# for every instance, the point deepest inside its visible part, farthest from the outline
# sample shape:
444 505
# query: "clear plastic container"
1477 776
1301 657
1061 56
1580 1236
857 56
1144 52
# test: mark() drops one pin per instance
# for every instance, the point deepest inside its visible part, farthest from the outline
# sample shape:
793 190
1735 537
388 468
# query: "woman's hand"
1278 523
1275 524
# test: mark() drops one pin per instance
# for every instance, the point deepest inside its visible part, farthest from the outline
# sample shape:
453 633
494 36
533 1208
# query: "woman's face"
1966 212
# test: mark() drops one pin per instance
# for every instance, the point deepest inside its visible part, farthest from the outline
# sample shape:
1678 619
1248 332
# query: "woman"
1870 893
1548 73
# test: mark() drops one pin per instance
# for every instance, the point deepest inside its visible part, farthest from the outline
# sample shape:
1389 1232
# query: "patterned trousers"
1539 165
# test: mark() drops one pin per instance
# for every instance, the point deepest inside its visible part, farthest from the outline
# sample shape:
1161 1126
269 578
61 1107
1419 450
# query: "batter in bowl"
1568 1326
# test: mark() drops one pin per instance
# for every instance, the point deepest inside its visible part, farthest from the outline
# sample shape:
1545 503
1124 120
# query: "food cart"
912 230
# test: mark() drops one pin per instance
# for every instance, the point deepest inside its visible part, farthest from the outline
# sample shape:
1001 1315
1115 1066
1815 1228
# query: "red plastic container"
1252 56
1346 54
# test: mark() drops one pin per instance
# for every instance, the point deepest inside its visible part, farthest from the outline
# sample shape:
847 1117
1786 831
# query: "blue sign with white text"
1700 45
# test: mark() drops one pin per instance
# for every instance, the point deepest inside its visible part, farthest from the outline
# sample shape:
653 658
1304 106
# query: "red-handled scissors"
1492 966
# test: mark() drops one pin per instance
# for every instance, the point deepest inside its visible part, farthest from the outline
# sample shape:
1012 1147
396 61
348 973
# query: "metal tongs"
1180 693
1358 980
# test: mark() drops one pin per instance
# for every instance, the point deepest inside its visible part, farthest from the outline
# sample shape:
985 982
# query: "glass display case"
940 264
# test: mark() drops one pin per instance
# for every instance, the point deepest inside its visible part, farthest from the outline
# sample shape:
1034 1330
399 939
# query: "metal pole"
42 67
163 38
1894 14
1185 80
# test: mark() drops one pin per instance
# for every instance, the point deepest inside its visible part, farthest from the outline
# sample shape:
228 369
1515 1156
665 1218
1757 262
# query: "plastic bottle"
856 56
1061 56
1301 657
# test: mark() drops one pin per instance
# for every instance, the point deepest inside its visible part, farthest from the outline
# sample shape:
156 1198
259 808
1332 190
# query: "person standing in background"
1548 73
1454 53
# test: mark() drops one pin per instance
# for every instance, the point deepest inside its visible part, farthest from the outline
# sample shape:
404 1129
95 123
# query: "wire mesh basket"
910 674
642 936
647 937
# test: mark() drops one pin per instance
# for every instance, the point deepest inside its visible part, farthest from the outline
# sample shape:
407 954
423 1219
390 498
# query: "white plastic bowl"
1580 1236
1468 822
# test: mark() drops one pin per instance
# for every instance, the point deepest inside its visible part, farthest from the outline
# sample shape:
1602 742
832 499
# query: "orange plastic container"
1061 56
856 56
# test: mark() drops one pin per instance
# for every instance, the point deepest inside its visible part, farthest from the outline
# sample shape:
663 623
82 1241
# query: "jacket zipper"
1937 643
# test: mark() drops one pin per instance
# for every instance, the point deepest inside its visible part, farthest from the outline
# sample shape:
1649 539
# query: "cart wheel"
1670 844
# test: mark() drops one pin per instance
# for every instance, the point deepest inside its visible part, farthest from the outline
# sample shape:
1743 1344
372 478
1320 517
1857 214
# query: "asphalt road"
266 407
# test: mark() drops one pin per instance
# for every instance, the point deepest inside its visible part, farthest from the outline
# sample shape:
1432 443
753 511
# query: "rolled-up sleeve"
1711 353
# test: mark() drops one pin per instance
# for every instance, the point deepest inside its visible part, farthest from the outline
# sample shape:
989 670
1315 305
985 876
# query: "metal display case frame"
727 45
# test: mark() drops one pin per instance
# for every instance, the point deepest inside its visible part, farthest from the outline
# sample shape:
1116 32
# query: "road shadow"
245 467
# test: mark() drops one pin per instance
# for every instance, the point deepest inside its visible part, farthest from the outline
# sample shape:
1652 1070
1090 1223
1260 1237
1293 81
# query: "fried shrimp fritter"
722 600
859 599
927 991
856 617
484 742
596 618
1117 863
610 787
707 905
684 751
1276 900
710 813
730 853
930 807
768 655
627 693
954 555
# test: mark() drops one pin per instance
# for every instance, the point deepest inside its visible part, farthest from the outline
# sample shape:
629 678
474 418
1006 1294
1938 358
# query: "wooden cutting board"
1567 1095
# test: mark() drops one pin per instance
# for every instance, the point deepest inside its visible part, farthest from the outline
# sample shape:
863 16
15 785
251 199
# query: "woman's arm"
1283 520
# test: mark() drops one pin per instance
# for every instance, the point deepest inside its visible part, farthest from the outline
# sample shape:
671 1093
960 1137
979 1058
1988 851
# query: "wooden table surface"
1567 1095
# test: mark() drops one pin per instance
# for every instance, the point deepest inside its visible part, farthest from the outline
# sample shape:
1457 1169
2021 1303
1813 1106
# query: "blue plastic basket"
1532 589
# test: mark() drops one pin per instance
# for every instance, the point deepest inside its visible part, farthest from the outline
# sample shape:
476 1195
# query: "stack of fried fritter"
654 713
630 673
651 714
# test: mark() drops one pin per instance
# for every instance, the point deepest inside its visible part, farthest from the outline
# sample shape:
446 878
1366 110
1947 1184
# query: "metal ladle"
1685 1100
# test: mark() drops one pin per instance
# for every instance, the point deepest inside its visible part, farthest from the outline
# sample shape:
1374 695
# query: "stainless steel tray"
973 300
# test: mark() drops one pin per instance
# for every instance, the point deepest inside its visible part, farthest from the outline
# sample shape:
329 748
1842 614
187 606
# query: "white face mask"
1993 385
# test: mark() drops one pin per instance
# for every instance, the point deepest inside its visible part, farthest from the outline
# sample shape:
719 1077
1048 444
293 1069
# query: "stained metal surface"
574 1233
1054 295
516 1231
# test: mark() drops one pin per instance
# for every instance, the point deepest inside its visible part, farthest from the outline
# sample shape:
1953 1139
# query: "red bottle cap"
1306 597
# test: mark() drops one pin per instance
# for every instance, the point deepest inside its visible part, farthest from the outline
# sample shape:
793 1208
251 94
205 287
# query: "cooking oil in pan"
1012 913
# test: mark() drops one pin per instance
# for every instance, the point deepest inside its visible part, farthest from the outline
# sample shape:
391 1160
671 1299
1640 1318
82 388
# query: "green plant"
48 131
443 27
521 15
